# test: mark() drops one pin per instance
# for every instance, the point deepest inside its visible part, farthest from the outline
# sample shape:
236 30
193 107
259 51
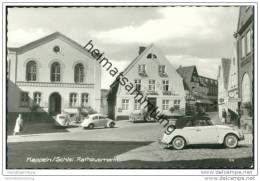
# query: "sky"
198 36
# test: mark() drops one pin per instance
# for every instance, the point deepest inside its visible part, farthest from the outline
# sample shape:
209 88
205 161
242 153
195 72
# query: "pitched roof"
128 68
225 64
137 59
186 72
47 39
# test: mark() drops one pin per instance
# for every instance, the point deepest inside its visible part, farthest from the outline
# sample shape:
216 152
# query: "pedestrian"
224 116
238 118
18 124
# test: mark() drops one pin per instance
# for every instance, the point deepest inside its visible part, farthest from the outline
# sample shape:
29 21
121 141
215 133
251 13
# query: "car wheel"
230 141
91 126
111 125
178 143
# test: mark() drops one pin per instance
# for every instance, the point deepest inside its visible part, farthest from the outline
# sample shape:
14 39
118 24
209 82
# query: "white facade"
223 73
228 85
158 81
233 99
63 78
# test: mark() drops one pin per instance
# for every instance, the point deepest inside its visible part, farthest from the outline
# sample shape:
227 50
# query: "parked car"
62 120
200 130
97 120
137 116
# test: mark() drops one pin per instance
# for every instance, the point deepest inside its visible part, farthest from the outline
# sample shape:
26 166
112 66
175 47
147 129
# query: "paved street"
149 133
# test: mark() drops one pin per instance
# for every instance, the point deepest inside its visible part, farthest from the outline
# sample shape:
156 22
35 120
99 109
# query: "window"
248 42
138 84
73 99
162 69
141 68
31 71
189 124
56 49
55 72
37 97
243 47
165 85
137 105
201 122
165 104
151 56
84 99
246 88
24 99
125 104
151 85
176 104
102 117
79 73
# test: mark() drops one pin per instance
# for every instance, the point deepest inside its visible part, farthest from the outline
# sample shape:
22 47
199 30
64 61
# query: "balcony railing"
152 93
167 93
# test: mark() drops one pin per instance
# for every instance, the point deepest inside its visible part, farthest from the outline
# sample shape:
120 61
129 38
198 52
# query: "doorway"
152 100
55 104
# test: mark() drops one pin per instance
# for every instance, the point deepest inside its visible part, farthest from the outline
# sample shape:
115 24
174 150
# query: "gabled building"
55 73
223 80
155 78
233 97
245 55
200 91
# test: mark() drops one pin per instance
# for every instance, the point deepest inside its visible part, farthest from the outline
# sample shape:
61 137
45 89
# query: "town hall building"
55 73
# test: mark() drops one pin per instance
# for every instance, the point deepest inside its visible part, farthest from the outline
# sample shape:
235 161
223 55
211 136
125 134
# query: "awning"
204 101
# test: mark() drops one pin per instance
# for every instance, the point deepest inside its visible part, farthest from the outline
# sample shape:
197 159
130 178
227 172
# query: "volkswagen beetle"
200 130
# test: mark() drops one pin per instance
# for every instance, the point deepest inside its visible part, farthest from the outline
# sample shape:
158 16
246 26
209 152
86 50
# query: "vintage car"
200 130
62 120
137 116
97 120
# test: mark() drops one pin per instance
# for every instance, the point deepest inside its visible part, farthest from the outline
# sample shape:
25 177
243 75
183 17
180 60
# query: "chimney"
141 49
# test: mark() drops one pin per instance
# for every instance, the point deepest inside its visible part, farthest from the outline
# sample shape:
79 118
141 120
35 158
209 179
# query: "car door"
102 120
190 133
206 132
95 120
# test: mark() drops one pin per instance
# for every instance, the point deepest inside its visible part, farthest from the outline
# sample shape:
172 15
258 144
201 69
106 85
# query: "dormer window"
151 56
162 70
141 70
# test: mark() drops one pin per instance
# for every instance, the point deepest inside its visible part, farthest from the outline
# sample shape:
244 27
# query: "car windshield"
182 122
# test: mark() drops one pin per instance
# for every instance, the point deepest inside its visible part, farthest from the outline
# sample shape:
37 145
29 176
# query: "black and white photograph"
130 86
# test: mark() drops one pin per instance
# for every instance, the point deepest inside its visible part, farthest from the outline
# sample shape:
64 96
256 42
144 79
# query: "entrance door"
55 104
152 101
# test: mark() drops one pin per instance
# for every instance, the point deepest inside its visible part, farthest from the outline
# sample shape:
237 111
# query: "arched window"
55 72
246 88
31 71
151 56
79 73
